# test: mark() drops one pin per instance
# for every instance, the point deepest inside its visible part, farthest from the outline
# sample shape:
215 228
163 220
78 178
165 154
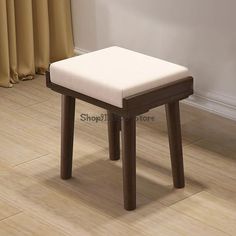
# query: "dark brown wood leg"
114 127
67 135
175 142
129 162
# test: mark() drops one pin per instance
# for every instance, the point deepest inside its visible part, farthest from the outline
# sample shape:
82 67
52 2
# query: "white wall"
200 34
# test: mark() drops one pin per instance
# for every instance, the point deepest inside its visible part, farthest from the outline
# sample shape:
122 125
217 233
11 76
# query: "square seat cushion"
114 73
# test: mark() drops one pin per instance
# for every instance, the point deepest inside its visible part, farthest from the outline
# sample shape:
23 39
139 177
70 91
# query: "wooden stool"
126 84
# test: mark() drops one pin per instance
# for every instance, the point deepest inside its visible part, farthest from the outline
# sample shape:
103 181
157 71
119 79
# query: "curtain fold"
33 33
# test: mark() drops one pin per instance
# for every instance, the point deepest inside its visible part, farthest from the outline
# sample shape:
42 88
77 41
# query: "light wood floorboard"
35 201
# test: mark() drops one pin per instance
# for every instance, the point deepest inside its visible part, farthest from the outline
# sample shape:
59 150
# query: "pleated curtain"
33 33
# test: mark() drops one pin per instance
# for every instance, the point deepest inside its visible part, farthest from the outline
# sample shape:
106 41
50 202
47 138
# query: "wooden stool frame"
124 119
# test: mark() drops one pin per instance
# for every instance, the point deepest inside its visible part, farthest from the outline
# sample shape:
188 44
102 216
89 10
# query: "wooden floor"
35 201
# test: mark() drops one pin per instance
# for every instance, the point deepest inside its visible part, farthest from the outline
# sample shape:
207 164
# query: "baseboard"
79 51
213 106
218 104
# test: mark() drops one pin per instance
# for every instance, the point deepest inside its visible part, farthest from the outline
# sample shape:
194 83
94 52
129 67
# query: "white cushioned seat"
114 73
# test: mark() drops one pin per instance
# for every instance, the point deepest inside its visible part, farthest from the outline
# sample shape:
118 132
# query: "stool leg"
175 143
129 162
67 135
114 126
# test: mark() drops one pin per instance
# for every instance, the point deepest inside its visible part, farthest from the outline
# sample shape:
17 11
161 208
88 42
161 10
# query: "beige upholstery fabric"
114 73
33 33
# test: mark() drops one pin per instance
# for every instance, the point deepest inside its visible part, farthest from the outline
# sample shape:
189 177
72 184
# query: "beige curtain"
33 33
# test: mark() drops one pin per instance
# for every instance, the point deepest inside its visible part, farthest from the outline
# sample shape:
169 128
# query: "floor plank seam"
6 218
25 162
204 222
191 195
221 198
46 222
25 106
186 197
29 210
192 142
